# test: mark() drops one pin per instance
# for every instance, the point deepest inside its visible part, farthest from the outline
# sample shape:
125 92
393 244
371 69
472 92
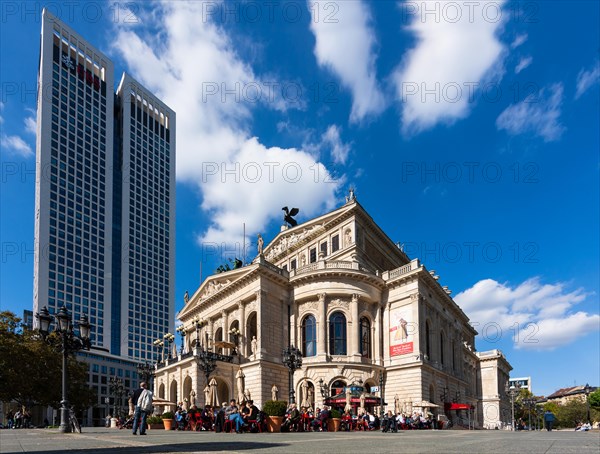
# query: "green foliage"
335 413
31 371
154 420
168 415
275 407
568 415
595 399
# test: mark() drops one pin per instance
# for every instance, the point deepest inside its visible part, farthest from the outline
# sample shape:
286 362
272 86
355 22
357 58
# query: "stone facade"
356 305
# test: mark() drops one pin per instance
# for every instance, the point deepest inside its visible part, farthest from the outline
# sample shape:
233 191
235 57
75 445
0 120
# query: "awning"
449 406
223 344
158 402
425 404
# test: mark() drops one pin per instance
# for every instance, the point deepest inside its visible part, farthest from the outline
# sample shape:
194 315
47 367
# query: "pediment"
286 241
213 285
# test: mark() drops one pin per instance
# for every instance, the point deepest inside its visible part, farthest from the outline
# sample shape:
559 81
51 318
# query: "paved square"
101 440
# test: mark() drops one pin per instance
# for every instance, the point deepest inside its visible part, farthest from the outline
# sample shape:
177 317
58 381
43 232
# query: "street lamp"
292 359
117 389
207 362
235 333
160 345
381 410
529 403
198 323
323 389
169 337
146 372
69 343
512 391
181 330
586 389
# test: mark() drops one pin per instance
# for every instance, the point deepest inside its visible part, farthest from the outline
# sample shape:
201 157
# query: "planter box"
169 424
158 426
274 423
333 424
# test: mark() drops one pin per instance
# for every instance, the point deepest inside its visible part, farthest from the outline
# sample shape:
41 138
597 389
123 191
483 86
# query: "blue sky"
469 130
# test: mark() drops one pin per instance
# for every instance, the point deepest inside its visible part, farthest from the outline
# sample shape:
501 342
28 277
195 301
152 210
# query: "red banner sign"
401 349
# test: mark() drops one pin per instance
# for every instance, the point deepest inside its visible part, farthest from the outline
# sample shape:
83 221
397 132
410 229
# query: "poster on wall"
401 331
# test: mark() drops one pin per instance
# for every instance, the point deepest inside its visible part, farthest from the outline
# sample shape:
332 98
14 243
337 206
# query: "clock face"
67 62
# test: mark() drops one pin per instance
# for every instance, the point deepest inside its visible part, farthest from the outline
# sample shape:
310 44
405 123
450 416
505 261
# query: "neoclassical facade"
356 305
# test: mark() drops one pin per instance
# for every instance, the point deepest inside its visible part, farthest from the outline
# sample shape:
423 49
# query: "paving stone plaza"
101 440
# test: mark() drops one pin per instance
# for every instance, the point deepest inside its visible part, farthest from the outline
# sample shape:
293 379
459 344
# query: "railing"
405 269
212 355
330 265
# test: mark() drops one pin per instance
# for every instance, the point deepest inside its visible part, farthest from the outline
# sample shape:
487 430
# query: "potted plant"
168 418
275 411
334 422
155 422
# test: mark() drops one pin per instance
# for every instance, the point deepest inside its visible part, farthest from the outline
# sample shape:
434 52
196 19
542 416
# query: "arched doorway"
161 391
251 332
187 388
223 392
306 394
173 392
337 387
218 338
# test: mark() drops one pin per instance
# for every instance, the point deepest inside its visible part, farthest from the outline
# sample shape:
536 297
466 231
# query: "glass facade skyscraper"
105 196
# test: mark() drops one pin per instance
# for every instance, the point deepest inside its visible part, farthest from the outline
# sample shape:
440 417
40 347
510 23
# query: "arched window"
365 337
251 332
219 338
337 387
337 334
309 336
427 340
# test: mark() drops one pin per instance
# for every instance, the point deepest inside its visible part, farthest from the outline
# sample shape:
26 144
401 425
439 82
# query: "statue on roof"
288 216
260 244
186 297
351 197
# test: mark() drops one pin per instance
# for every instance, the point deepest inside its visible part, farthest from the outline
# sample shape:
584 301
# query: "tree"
595 399
31 370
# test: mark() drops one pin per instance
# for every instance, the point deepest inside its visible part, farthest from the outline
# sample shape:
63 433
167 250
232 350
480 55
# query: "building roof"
562 392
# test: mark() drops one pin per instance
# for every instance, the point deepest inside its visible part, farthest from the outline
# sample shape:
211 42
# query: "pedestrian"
143 407
549 419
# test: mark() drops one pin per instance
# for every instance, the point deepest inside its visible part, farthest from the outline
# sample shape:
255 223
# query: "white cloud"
338 149
345 42
31 125
543 312
15 145
538 114
455 52
519 39
523 63
189 61
586 79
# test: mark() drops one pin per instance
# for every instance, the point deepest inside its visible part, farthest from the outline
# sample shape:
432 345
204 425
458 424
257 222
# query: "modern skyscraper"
105 196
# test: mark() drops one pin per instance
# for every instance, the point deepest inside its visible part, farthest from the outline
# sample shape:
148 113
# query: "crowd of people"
21 419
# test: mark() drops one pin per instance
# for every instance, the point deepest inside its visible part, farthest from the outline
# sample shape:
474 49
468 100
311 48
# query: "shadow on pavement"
223 446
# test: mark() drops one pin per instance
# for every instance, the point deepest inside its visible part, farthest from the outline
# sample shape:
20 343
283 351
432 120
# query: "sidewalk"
104 441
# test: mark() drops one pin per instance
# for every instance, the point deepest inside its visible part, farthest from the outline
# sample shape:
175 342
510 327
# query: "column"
243 341
385 311
354 330
225 324
377 335
259 320
322 324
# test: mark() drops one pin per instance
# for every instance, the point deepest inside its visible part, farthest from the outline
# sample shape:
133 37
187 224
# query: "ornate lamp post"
235 334
159 344
69 343
146 372
198 323
530 404
323 389
512 391
181 330
169 337
207 362
586 389
117 389
381 410
292 359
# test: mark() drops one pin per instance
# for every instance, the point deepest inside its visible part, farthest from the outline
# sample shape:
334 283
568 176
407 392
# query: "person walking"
143 406
549 419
